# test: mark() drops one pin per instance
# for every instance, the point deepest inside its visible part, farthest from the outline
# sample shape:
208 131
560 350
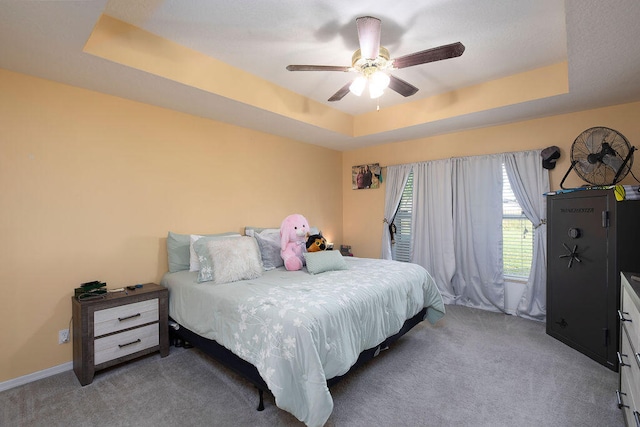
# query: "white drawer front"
632 372
633 327
627 399
125 343
124 316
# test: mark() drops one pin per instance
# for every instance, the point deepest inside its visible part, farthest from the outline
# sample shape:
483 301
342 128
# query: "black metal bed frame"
181 335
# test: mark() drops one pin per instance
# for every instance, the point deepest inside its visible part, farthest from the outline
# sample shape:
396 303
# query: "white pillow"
194 261
234 259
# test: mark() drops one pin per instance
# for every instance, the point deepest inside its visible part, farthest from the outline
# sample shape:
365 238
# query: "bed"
294 332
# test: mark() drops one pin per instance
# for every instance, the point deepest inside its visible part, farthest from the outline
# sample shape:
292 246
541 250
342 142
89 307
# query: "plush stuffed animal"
293 235
316 243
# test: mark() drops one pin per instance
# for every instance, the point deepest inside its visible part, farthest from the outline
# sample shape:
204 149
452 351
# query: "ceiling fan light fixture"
378 82
375 92
372 58
381 61
357 86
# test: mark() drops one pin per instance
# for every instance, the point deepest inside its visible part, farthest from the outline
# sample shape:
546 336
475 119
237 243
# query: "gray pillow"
269 243
178 249
249 231
319 262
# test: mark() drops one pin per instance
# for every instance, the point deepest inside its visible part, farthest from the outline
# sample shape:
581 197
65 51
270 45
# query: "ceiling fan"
372 62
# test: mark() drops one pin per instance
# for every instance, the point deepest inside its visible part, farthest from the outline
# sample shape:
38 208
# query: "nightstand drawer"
128 342
125 316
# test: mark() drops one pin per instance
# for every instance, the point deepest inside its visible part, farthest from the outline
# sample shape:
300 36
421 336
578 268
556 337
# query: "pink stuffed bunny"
293 236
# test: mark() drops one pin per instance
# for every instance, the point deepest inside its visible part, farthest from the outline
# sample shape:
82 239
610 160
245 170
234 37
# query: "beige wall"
90 184
364 209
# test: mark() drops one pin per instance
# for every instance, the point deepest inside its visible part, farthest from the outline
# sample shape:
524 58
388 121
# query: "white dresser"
629 352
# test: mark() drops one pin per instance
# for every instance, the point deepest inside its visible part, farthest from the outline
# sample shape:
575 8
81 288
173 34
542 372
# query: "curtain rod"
462 157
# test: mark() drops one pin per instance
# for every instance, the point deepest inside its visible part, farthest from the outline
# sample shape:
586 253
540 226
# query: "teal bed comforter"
300 329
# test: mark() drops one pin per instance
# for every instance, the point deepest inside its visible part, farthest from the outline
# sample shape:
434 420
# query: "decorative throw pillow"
228 260
194 261
233 260
319 262
178 249
204 258
269 244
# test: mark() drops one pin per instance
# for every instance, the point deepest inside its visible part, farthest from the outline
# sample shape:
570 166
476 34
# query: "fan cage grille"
598 153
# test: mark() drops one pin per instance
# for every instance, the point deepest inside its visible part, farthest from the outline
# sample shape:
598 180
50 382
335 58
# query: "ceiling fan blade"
430 55
369 36
341 93
402 87
317 68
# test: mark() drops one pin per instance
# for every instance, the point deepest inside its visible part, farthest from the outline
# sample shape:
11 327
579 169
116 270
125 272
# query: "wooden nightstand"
119 327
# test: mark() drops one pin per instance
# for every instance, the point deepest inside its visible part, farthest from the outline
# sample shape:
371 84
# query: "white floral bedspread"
300 329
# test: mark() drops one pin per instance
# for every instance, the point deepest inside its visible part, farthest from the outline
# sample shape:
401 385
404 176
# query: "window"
401 250
517 234
517 231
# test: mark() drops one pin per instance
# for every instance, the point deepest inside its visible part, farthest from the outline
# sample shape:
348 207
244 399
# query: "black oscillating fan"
601 156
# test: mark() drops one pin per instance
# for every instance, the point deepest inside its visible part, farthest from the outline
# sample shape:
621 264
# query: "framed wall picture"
365 176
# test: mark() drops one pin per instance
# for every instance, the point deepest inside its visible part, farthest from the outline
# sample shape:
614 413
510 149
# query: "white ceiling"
599 39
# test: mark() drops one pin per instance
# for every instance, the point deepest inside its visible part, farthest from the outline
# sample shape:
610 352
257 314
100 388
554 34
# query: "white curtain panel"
529 181
432 219
457 225
396 180
477 230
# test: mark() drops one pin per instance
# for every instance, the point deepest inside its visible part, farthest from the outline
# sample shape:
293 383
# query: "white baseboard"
26 379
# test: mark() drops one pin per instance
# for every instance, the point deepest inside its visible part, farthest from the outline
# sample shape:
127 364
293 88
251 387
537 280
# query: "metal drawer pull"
636 415
619 397
621 316
638 358
620 356
120 319
130 343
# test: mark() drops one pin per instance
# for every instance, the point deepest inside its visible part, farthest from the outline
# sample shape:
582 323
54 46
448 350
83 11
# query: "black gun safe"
591 237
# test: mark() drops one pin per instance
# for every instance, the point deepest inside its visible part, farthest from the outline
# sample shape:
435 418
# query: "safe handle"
621 316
